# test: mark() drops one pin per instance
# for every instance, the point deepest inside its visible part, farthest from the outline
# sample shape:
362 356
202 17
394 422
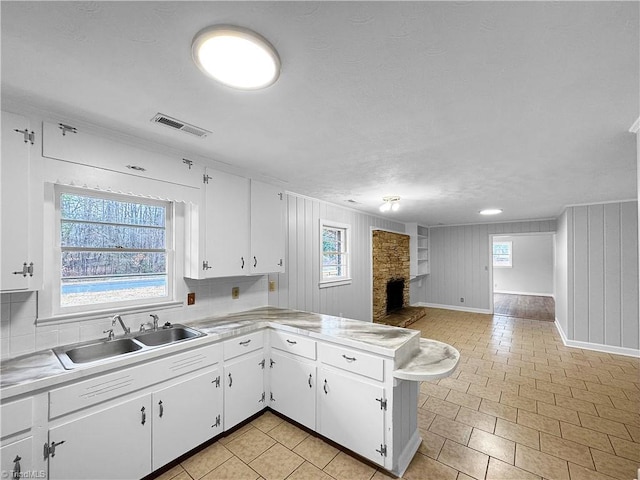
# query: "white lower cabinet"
244 393
350 412
113 443
293 389
15 459
185 415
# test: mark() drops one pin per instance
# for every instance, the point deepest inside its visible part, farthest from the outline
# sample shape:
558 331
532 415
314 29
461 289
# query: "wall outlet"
235 293
191 298
272 285
461 299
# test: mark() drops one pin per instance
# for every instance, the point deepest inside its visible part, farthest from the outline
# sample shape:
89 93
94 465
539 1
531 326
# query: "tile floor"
519 406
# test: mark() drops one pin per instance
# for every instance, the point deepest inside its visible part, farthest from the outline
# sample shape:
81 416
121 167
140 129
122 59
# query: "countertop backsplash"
20 335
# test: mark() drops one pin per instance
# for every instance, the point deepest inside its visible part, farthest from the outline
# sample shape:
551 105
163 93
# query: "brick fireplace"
390 266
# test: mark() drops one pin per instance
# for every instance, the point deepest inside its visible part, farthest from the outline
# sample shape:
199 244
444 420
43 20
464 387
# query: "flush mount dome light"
236 57
491 211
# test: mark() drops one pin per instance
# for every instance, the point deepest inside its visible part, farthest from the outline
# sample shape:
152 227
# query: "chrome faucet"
119 318
155 321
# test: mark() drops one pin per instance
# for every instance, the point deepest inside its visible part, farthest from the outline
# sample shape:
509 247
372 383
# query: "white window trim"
510 254
338 281
49 303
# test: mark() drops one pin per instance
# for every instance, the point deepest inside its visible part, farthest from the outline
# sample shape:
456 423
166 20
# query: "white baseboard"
629 352
531 294
452 307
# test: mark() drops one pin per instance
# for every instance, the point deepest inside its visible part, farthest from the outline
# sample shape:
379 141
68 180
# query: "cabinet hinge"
27 269
271 397
383 450
280 195
187 162
218 422
216 381
280 263
67 129
50 450
383 403
262 397
205 265
29 136
261 363
271 363
206 178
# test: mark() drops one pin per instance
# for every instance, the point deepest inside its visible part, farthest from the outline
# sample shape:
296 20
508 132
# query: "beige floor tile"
499 470
425 417
608 390
235 434
628 405
490 393
463 399
584 376
576 404
614 466
586 436
634 432
277 463
566 449
267 421
232 469
553 388
316 451
626 449
346 467
604 425
455 431
381 475
559 413
476 419
487 371
498 410
473 378
308 471
441 407
504 386
464 459
434 390
492 445
533 393
455 384
568 381
518 433
422 468
579 472
431 444
463 476
206 460
537 374
593 397
539 422
519 379
173 473
541 463
518 401
250 445
288 434
616 415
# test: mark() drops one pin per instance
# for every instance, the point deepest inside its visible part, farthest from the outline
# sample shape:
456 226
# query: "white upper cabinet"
18 240
238 228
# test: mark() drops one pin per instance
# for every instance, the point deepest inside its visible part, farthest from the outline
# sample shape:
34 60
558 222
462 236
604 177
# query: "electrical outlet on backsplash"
20 335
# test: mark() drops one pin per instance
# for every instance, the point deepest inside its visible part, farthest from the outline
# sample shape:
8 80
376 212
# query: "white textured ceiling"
454 106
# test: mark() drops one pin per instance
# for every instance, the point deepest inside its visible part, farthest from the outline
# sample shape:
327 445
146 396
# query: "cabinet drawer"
295 344
244 344
16 416
352 361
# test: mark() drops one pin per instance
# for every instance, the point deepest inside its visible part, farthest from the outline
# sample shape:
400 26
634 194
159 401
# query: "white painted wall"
601 274
461 262
297 288
532 266
561 270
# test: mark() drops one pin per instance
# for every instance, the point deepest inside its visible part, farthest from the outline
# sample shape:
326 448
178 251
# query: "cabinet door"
293 389
14 204
350 414
186 415
243 388
15 460
267 228
227 225
114 443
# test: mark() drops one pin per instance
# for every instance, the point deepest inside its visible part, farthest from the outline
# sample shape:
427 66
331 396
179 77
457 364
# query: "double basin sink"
95 351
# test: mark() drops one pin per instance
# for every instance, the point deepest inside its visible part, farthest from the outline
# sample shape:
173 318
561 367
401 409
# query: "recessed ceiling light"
236 57
491 211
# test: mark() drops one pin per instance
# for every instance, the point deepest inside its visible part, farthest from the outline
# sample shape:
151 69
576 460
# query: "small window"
334 263
114 251
502 255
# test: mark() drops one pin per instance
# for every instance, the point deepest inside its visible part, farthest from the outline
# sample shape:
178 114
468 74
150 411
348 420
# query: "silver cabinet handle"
144 415
349 359
291 342
161 409
310 386
324 387
245 343
230 380
16 467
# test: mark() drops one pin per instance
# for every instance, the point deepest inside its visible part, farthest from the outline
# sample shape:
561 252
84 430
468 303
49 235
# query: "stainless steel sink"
175 333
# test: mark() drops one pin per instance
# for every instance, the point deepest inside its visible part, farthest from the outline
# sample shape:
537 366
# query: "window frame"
343 279
510 254
59 311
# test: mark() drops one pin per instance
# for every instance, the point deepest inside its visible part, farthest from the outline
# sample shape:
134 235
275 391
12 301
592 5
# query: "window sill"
335 283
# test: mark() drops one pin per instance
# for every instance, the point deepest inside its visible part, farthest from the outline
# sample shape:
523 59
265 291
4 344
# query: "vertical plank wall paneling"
460 262
297 288
602 274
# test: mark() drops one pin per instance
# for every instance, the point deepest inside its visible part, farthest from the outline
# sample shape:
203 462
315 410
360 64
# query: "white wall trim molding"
550 219
629 352
599 203
635 128
452 307
532 294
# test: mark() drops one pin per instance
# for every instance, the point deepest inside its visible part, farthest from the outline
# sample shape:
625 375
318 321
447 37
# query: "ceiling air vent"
179 125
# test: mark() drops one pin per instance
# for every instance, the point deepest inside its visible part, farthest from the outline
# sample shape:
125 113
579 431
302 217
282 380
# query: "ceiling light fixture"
491 211
236 57
391 203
